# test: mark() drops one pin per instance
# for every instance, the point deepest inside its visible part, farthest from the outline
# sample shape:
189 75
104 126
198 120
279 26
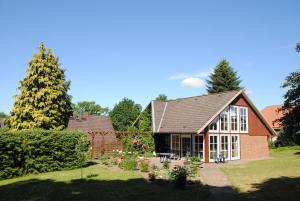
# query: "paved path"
219 186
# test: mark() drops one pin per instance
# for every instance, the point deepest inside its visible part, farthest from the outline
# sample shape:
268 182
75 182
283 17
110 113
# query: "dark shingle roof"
86 122
188 115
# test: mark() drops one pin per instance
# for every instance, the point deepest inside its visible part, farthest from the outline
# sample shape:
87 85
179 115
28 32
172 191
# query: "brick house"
271 114
87 122
210 125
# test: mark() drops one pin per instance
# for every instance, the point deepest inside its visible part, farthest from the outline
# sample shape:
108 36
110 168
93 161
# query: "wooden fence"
104 142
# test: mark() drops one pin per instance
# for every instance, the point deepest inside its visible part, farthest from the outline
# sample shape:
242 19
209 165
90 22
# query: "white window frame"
179 143
217 121
238 145
237 117
181 149
247 124
202 143
218 146
224 131
229 145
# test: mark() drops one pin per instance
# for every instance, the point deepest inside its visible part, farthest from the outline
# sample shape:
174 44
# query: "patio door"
185 145
199 146
225 146
213 147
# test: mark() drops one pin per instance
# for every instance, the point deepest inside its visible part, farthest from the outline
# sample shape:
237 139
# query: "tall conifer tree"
223 79
43 101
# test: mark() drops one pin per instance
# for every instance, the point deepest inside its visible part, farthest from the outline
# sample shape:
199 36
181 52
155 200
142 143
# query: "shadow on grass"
297 153
276 189
279 189
93 189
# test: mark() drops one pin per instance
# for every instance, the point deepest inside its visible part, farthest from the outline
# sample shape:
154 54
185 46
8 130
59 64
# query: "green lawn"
273 179
102 184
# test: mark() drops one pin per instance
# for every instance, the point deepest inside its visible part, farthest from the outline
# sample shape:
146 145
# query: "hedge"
35 151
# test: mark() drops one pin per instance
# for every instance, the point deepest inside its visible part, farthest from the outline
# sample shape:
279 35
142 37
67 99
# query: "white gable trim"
223 108
153 116
162 116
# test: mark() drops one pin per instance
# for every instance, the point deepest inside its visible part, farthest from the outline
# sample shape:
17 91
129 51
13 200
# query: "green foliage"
166 165
90 107
43 101
290 110
144 166
34 151
128 163
223 79
140 142
179 175
162 97
3 115
124 114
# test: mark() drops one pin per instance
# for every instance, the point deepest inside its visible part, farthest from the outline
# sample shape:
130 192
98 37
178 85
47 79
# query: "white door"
225 146
213 147
235 147
199 146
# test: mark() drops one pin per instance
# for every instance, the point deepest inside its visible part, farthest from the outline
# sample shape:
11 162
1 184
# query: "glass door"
224 148
235 147
185 145
213 147
199 146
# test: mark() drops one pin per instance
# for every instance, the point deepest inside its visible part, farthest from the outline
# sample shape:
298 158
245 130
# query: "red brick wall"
253 147
256 126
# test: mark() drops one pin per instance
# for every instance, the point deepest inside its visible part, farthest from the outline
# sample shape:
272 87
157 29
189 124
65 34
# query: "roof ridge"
238 90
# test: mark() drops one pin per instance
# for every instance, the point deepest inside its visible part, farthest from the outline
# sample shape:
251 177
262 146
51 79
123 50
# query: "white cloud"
193 82
182 76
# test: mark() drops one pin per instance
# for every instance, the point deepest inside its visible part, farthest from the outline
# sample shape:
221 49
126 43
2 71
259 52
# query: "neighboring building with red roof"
271 114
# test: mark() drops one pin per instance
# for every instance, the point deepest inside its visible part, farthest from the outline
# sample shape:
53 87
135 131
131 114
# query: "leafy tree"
3 115
290 109
90 107
124 114
223 79
43 101
162 97
142 142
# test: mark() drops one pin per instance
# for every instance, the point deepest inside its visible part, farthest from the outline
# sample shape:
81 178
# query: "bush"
144 166
35 151
166 164
179 175
129 163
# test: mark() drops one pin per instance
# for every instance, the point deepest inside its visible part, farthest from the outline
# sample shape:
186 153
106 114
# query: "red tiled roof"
271 114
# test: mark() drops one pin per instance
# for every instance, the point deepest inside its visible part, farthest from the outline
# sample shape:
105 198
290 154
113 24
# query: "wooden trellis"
117 143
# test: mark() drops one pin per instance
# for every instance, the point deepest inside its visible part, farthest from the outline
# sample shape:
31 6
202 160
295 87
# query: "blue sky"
138 49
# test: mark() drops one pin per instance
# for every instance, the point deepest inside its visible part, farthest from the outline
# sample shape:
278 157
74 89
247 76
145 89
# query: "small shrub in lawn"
129 163
166 165
154 167
179 175
152 175
144 166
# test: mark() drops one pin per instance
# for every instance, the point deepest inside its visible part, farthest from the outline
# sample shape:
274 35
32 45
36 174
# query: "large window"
235 148
175 144
214 126
213 147
224 120
199 146
244 119
234 118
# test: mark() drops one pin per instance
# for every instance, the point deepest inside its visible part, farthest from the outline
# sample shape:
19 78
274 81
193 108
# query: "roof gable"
187 115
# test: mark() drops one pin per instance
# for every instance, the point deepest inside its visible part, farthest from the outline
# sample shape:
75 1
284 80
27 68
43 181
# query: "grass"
99 184
277 178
